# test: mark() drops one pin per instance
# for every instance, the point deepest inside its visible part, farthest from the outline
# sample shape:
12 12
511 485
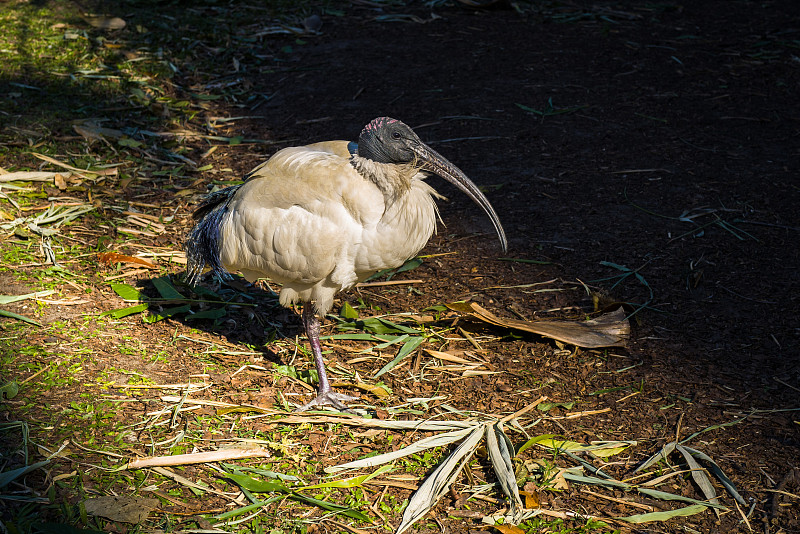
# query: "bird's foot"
329 398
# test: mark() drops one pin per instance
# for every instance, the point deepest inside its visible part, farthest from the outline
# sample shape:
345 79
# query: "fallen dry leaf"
121 508
609 330
531 498
378 391
114 257
446 356
104 22
58 180
508 529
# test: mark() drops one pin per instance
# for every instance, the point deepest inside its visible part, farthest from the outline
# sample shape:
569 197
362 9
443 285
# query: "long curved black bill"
439 165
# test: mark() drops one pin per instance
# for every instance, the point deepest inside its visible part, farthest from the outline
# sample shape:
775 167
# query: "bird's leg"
326 395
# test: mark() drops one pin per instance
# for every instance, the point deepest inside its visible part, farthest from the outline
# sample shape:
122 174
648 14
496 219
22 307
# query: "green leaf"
165 288
338 508
586 465
240 409
124 312
169 312
699 476
206 97
595 481
410 264
533 441
359 337
205 292
266 486
248 508
664 516
666 496
662 454
398 339
238 469
127 292
616 266
399 327
286 370
601 449
528 108
12 315
352 482
709 429
715 469
127 141
380 274
413 263
376 326
348 312
547 406
9 390
407 348
9 476
258 486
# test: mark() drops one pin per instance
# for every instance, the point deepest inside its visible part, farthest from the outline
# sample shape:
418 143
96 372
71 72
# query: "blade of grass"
664 516
439 440
124 312
8 299
407 348
331 507
699 476
666 496
594 481
12 315
266 486
715 469
352 482
165 288
169 312
249 508
127 292
665 451
9 476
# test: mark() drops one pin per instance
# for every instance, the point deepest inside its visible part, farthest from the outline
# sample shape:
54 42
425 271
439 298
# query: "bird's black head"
386 140
389 141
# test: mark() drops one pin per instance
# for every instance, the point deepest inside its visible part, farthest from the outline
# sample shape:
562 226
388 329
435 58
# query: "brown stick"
523 411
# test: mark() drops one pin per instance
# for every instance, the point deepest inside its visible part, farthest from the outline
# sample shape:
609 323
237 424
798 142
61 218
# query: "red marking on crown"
379 123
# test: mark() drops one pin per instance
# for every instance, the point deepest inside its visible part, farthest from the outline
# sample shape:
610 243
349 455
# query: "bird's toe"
329 398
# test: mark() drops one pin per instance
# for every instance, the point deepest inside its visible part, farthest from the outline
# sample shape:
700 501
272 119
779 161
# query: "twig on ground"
197 458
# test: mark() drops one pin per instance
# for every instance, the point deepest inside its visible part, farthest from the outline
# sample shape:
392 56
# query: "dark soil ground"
662 139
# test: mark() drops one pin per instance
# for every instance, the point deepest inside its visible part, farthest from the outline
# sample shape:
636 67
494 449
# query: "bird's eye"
395 135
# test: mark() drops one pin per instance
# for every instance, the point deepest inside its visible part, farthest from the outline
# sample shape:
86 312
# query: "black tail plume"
202 245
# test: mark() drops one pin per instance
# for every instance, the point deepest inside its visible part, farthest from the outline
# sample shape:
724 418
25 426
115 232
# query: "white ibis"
320 218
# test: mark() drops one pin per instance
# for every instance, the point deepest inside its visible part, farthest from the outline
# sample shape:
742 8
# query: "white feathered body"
307 219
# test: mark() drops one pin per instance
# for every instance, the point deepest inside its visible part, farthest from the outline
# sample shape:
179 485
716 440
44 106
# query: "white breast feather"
308 220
